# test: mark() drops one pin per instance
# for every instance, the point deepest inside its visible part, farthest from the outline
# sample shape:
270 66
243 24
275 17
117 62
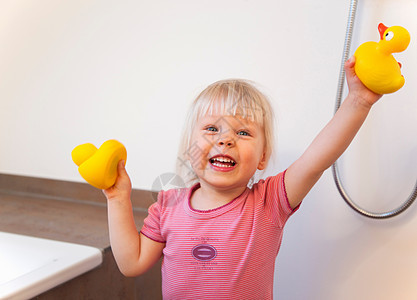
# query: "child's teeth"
223 162
221 165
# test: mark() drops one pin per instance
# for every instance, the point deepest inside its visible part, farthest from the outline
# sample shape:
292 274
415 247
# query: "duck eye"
389 35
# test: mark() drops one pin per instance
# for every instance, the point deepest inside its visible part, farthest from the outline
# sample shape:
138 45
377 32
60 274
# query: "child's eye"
243 132
211 128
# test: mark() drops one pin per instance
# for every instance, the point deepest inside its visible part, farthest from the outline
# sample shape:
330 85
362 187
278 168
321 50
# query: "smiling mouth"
222 162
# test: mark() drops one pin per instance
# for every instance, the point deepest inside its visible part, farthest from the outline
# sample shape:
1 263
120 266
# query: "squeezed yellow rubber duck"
99 166
376 67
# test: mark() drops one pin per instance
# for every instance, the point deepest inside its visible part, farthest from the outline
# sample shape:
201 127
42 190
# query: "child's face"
226 151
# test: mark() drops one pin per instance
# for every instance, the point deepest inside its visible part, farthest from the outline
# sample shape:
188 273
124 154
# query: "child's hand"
122 187
356 88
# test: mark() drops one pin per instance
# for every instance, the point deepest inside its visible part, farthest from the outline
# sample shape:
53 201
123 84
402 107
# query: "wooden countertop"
61 210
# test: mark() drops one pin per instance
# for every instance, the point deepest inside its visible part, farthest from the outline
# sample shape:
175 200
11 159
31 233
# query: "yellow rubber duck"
376 67
99 166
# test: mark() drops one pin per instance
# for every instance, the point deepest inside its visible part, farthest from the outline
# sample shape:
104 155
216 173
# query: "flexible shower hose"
336 177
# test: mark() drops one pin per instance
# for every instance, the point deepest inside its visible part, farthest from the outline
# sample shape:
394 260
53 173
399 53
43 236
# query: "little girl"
219 237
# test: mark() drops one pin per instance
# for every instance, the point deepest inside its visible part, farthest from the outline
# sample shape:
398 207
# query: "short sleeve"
275 200
152 225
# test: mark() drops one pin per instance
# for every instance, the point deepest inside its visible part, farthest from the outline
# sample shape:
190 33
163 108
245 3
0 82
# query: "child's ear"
262 162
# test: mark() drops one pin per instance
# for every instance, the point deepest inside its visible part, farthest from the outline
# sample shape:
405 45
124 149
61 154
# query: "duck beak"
381 29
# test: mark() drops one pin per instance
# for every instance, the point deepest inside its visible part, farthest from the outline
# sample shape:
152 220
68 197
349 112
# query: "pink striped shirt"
225 253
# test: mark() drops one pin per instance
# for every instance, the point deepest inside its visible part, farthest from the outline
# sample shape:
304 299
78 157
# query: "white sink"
30 266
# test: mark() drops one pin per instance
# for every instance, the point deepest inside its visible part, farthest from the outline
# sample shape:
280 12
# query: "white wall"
87 71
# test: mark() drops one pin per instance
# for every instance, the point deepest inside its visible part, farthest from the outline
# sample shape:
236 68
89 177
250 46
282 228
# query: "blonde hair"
233 97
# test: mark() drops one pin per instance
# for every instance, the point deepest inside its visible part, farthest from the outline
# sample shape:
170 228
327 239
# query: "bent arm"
134 252
332 141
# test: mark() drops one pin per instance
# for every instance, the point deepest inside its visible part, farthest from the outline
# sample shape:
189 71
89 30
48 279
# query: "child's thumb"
350 65
350 70
121 167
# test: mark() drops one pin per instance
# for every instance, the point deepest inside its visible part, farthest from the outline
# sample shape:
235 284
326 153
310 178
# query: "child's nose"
226 141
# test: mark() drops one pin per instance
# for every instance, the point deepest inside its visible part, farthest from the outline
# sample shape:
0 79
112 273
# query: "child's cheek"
197 155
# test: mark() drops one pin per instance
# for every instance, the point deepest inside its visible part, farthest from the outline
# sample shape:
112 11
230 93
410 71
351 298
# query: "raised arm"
333 140
134 252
